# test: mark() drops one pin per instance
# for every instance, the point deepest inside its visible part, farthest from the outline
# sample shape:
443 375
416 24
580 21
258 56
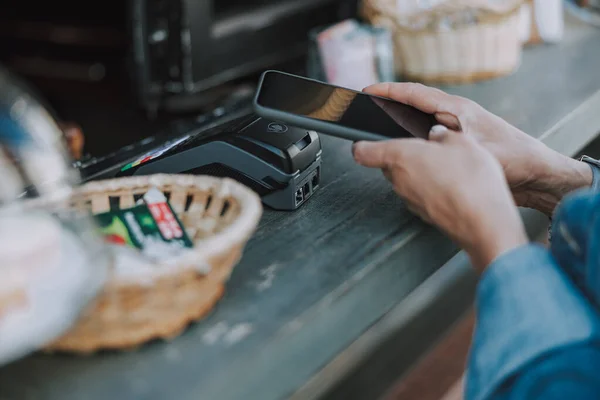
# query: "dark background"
79 56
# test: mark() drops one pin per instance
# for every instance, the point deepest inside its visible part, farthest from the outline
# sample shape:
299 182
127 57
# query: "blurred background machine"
137 75
150 63
166 53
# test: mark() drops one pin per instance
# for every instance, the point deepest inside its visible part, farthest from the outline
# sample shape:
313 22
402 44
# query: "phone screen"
344 107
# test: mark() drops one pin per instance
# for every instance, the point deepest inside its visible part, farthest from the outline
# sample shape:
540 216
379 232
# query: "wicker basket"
489 48
219 216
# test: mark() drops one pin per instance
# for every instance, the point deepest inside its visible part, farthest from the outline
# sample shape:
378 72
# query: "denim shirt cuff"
595 178
595 187
526 308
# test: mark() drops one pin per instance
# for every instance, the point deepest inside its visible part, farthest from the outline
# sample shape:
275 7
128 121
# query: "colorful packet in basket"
150 226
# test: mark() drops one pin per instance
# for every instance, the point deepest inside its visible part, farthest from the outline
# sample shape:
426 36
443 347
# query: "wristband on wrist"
595 165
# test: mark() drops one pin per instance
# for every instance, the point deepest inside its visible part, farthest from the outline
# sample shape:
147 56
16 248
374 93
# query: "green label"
137 227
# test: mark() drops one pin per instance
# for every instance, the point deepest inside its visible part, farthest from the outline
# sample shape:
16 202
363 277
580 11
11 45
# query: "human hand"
538 176
454 183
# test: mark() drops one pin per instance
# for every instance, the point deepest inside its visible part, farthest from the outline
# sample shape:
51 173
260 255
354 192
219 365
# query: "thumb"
441 134
438 133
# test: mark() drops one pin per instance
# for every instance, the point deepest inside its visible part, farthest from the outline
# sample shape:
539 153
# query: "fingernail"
437 131
367 88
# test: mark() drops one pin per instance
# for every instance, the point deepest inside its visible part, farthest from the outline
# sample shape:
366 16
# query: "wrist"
555 177
485 255
494 238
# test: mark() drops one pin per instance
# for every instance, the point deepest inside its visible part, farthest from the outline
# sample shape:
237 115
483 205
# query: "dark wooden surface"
312 283
437 373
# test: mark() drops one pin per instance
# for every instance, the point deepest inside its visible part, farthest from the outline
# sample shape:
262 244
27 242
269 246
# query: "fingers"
444 106
370 154
449 120
438 133
425 98
443 135
380 154
413 208
389 153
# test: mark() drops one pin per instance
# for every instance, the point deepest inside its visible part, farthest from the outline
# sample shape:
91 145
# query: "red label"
165 220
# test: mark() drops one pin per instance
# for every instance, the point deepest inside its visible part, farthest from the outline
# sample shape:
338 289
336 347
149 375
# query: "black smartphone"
328 109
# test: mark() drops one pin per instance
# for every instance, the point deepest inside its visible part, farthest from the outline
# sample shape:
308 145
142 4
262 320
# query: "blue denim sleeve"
576 241
527 309
571 373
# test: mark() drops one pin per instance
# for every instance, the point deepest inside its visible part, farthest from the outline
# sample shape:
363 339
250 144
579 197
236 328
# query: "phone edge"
322 127
299 121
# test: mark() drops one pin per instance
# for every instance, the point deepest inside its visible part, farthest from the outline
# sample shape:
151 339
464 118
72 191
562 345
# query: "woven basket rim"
376 8
236 232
